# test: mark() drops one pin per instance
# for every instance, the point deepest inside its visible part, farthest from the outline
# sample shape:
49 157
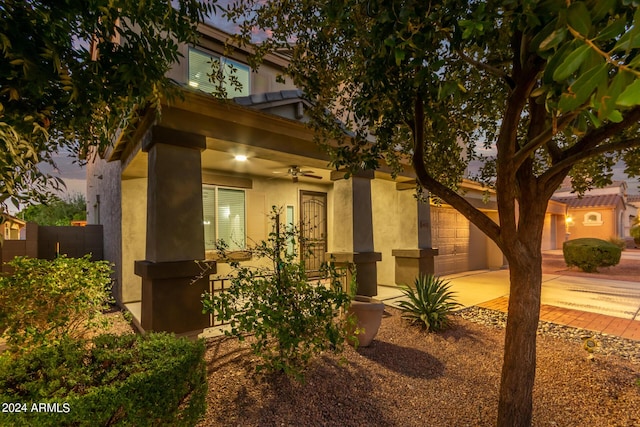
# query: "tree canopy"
77 73
57 211
534 89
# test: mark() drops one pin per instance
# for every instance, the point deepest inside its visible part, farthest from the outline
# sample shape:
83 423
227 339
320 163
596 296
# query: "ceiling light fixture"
241 158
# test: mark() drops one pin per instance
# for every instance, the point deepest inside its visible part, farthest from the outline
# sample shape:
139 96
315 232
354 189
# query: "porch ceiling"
260 162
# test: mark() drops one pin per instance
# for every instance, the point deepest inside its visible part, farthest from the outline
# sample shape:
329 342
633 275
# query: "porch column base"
365 268
411 263
171 298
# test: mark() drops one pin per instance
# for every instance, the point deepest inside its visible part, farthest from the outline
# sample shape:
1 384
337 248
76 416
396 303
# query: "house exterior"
13 228
601 212
210 169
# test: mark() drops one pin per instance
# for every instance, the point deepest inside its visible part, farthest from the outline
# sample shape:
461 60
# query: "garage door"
450 234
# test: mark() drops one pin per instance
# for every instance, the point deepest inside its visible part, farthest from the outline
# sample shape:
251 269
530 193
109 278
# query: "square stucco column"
175 235
353 229
418 257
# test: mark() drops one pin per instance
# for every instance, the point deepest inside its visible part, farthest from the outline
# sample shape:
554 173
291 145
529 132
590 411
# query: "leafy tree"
56 211
544 89
76 73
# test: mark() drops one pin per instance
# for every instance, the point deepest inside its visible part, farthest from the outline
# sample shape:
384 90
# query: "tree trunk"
515 405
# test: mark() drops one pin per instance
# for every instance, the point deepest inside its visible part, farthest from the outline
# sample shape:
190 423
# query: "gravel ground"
411 378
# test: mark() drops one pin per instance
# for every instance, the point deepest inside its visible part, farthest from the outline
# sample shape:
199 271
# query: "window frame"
224 60
216 225
588 222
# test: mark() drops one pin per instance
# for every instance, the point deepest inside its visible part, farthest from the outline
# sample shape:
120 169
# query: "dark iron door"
313 227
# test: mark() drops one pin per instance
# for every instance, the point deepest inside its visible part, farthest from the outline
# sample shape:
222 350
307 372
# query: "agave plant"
430 302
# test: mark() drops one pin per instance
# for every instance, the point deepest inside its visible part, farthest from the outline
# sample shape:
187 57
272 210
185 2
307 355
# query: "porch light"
569 220
193 84
241 158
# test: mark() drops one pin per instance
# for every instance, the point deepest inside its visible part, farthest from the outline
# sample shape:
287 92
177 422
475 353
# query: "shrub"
117 380
429 303
618 242
635 233
292 318
588 254
44 301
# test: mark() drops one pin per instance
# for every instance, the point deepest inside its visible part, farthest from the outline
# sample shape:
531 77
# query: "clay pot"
368 312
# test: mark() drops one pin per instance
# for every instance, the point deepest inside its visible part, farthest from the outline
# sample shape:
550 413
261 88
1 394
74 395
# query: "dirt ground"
628 269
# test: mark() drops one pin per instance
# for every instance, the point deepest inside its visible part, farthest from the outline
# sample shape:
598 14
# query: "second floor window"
234 75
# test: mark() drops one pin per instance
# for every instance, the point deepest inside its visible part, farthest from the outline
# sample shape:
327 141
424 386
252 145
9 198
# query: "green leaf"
610 96
553 39
400 54
613 30
631 95
601 8
579 18
555 61
571 63
582 88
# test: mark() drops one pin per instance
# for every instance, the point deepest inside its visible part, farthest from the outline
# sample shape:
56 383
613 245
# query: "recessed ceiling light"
241 158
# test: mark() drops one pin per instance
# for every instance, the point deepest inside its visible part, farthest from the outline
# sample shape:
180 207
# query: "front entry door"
313 228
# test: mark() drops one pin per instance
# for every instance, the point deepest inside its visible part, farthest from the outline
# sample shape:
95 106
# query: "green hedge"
127 380
588 254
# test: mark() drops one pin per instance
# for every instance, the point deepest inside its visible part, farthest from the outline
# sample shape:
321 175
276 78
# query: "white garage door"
450 234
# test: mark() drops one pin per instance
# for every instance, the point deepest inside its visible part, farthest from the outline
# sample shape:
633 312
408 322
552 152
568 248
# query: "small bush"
44 301
588 254
291 317
117 380
635 233
429 303
618 242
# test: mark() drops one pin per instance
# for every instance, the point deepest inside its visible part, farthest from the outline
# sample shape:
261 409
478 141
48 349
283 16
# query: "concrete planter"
369 312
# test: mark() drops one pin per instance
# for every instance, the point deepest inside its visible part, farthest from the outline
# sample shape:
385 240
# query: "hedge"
127 380
589 253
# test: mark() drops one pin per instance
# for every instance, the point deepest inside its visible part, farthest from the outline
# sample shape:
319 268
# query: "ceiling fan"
296 172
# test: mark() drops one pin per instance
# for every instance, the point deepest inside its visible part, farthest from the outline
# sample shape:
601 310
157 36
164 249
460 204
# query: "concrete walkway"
599 304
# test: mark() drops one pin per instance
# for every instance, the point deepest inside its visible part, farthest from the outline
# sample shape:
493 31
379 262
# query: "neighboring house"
634 200
211 169
601 212
13 228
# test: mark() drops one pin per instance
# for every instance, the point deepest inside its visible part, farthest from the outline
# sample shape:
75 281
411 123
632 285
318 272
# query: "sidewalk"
600 323
601 305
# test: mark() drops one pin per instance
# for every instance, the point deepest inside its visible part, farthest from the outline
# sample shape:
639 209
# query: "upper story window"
235 80
592 219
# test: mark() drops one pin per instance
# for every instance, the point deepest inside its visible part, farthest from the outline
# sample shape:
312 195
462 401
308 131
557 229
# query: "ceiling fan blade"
311 176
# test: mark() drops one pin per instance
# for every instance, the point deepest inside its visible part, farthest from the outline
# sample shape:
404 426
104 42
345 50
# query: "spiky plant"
429 302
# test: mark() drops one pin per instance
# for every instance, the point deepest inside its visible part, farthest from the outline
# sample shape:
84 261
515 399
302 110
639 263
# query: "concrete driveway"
596 295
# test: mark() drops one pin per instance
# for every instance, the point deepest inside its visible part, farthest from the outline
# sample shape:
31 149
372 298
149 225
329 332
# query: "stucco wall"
395 225
103 207
134 231
604 231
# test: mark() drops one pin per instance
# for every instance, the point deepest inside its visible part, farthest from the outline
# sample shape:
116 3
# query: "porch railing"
220 284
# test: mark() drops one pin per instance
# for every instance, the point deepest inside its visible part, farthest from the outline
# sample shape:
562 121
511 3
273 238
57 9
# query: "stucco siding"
395 225
605 230
134 231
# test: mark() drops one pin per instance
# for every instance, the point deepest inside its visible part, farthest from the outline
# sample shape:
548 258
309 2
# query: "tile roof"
590 201
633 198
263 98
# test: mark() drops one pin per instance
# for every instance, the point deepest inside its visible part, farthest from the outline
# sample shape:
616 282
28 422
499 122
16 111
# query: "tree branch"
542 139
459 203
492 70
588 153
